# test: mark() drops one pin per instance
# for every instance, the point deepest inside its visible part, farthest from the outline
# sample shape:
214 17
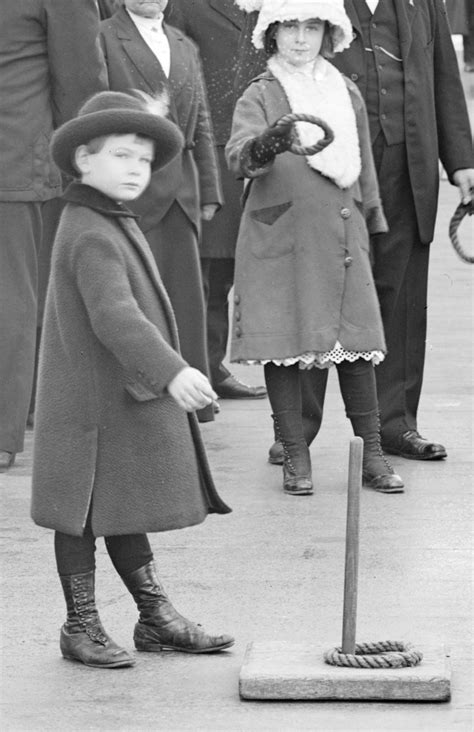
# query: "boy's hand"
191 389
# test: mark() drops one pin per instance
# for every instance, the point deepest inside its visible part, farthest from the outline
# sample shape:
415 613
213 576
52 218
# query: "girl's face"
299 41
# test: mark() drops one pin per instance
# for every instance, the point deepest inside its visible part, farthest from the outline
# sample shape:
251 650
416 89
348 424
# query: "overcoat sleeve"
76 63
454 133
204 146
119 323
250 120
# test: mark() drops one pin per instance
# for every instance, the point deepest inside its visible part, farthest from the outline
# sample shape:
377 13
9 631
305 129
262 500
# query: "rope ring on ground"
461 211
318 146
382 654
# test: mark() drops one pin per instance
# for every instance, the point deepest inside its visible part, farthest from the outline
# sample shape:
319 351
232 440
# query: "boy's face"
121 169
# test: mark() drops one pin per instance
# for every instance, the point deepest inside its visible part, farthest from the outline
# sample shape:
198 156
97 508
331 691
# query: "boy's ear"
81 159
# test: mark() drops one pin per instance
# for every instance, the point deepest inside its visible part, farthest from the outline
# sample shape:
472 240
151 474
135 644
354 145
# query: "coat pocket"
139 392
272 231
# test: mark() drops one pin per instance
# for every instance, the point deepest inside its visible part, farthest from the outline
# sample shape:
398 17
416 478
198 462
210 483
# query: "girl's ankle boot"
160 627
82 636
377 473
297 480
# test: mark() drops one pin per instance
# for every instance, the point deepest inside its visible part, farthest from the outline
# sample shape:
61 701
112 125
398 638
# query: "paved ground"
273 569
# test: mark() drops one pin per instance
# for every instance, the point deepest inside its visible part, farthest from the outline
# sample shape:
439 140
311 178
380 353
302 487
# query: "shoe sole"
158 648
118 664
409 456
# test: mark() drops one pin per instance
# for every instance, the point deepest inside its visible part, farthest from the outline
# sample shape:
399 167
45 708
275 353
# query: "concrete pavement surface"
273 569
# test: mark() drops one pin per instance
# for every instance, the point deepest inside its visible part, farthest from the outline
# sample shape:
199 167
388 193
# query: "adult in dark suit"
186 190
403 61
50 63
215 25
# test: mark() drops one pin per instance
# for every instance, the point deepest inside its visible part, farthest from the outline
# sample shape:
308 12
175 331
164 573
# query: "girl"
304 292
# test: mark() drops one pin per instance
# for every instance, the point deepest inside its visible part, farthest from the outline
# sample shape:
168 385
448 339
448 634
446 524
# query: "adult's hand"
208 210
464 179
191 389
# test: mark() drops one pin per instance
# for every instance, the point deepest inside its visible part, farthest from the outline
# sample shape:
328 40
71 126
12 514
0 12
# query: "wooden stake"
349 619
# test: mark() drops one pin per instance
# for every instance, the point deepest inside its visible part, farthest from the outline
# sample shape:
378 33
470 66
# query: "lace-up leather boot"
82 636
297 480
160 627
377 473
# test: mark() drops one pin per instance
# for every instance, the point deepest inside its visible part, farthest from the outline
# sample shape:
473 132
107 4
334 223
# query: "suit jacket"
192 178
50 63
436 119
215 26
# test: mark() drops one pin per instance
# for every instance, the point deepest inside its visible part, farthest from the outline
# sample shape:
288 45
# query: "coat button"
237 315
347 261
238 331
345 213
354 77
237 299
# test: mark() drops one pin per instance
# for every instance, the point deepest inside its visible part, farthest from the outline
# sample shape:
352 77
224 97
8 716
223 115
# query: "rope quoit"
461 211
318 146
383 654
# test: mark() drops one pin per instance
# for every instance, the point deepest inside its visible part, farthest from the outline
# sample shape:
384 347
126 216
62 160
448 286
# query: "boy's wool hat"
272 11
117 113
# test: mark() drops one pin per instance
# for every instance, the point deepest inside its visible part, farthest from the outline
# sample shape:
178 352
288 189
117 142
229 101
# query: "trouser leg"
401 276
218 277
20 235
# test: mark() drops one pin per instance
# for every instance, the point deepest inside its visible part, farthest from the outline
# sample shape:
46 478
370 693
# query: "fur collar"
90 197
320 89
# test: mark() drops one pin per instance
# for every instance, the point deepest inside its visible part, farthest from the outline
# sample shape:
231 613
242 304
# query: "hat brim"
80 130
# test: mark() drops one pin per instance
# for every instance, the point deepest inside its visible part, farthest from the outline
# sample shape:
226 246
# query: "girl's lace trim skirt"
323 360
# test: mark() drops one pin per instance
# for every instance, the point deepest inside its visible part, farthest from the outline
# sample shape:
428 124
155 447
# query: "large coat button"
237 299
347 261
238 331
345 213
237 315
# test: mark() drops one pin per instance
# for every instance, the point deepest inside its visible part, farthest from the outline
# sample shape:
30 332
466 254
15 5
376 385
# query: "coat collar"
406 11
84 195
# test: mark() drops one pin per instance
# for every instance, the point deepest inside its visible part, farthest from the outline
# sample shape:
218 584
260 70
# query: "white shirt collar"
147 23
372 5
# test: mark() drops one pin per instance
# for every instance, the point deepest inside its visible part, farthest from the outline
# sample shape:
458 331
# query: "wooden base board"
279 670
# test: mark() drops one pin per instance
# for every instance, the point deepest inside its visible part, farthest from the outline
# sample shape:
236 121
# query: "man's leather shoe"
6 460
413 446
233 388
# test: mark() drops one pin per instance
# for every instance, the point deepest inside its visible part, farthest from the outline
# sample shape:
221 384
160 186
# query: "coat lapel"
139 54
406 12
352 14
229 10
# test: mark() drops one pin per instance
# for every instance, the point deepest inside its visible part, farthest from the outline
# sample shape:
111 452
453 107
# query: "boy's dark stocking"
160 627
358 389
284 392
83 637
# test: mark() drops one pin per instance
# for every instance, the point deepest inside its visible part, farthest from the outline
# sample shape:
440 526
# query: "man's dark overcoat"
435 109
108 437
215 26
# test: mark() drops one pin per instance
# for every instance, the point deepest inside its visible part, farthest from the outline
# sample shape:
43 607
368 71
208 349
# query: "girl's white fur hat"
271 11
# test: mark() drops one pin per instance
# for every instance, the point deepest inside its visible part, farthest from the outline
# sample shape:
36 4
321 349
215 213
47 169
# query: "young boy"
117 447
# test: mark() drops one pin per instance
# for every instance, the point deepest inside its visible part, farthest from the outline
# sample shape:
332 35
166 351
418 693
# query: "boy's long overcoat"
108 437
303 278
